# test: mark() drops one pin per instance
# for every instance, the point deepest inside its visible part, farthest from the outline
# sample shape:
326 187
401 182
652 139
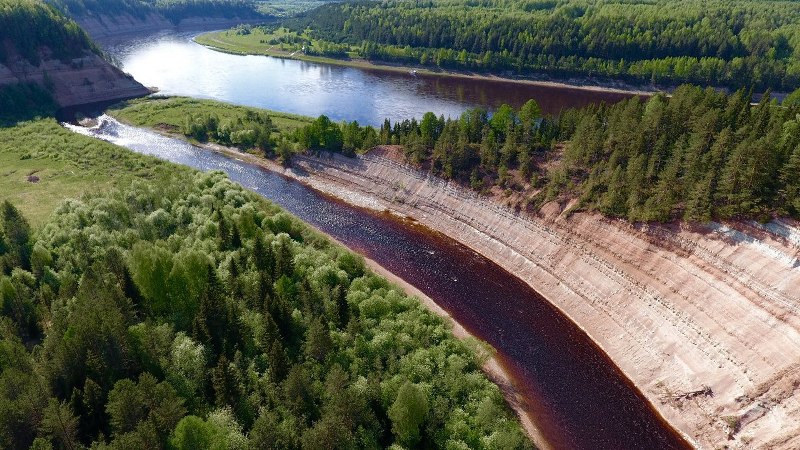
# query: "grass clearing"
67 165
172 112
279 42
257 42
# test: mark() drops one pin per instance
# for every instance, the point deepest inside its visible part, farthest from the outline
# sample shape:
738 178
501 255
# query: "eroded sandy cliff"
102 27
702 318
79 81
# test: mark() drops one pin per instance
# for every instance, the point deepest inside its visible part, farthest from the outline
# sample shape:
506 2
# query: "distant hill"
101 18
48 61
26 26
730 43
174 10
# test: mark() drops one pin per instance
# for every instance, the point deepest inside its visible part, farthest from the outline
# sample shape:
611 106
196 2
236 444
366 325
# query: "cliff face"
79 81
703 319
102 27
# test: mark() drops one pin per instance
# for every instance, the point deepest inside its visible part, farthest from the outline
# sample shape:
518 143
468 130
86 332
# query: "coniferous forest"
160 307
697 155
28 26
722 43
174 10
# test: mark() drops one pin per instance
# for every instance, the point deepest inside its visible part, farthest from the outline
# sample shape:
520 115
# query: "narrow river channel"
577 396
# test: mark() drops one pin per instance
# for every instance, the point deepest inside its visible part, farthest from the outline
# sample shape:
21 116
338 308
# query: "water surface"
577 396
176 65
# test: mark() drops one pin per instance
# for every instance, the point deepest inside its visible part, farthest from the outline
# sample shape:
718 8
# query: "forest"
25 101
174 309
662 42
26 26
697 155
175 10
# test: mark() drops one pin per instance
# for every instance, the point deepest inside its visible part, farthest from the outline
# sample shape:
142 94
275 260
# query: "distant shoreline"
207 40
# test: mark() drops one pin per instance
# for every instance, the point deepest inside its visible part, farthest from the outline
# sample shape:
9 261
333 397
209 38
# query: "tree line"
251 130
175 10
193 314
254 130
721 43
697 155
27 26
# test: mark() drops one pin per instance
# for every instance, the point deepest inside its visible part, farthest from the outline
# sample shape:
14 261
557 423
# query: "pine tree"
213 324
16 232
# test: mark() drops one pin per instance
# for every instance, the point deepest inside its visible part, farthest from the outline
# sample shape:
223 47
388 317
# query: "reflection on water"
178 66
579 400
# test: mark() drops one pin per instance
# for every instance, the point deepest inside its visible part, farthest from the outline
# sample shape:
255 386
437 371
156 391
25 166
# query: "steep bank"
102 27
678 308
39 45
77 81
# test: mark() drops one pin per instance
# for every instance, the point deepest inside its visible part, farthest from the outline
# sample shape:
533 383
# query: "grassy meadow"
66 164
261 41
171 112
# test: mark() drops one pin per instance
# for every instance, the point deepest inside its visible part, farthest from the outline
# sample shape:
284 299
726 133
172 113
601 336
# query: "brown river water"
577 397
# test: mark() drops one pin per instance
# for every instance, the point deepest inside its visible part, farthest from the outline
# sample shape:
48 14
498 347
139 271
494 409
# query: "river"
176 65
578 398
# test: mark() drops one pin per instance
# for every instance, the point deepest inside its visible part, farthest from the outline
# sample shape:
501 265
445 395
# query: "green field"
258 43
276 42
172 112
66 164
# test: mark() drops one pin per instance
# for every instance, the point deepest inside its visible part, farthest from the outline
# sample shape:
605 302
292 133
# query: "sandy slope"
113 28
678 308
78 81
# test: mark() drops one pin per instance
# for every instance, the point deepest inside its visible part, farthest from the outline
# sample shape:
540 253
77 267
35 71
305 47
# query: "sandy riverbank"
701 318
492 368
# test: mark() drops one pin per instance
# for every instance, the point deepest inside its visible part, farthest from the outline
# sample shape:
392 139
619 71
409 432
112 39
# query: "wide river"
578 398
176 65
